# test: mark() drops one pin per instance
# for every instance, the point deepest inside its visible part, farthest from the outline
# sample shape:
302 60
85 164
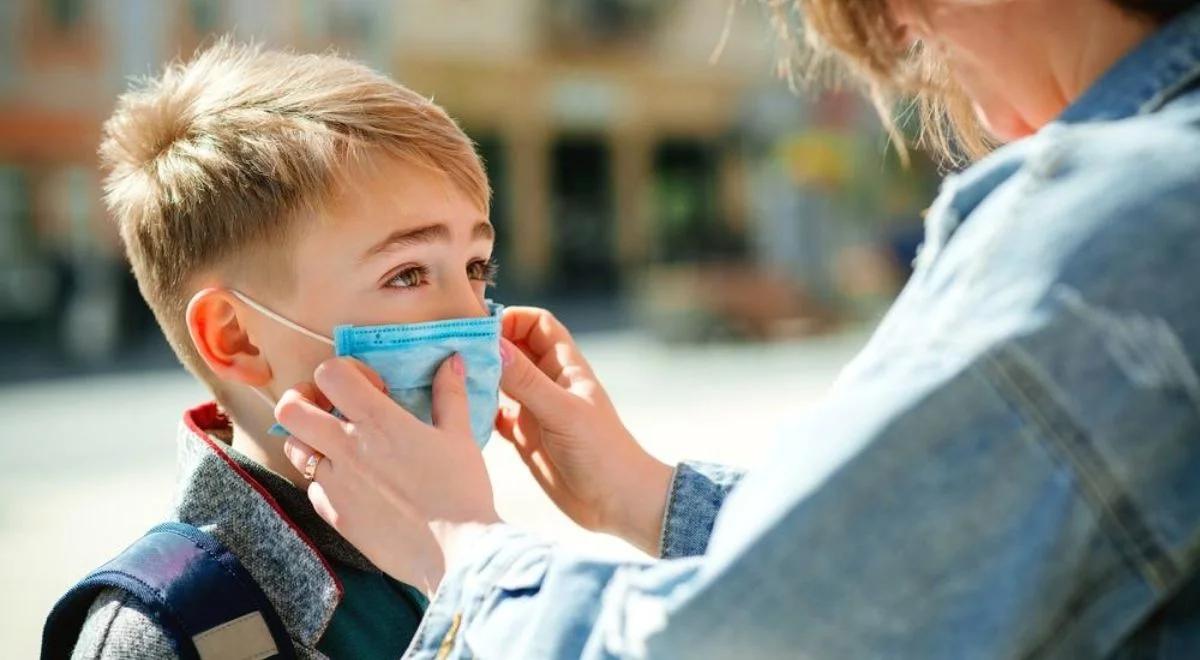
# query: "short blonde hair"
217 159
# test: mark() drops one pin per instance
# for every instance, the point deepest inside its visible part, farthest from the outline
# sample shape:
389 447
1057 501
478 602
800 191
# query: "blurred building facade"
625 163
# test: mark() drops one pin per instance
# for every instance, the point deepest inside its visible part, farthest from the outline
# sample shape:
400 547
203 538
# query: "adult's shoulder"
117 628
1148 164
1117 204
1090 218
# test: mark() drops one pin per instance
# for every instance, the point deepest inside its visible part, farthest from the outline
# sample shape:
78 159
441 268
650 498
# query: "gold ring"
310 467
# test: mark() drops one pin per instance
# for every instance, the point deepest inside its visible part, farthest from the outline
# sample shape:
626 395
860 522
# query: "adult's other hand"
565 428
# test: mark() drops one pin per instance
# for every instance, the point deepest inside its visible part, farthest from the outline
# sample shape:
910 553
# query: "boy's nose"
462 303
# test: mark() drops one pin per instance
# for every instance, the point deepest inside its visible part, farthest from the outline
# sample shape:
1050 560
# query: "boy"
253 186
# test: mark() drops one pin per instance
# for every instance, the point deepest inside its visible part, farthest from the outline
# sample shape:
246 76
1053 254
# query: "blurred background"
720 243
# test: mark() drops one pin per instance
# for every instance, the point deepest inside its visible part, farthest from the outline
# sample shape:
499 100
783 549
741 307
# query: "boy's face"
401 244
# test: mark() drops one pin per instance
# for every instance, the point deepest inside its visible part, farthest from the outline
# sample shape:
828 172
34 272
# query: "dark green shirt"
377 616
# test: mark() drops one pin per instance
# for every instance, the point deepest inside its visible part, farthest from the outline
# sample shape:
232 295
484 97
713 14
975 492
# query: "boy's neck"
264 449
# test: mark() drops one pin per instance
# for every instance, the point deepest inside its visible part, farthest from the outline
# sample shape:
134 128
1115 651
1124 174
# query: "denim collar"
1146 79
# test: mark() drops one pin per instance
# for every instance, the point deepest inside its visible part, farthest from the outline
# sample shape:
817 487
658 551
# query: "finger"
533 325
309 391
538 462
506 420
348 385
297 453
319 496
525 383
539 331
318 428
521 433
375 379
543 338
515 429
301 455
561 366
450 409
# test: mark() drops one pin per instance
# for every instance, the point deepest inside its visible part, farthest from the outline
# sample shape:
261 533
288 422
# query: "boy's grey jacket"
220 497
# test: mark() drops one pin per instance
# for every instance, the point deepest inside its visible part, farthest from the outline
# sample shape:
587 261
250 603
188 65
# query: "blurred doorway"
689 225
582 217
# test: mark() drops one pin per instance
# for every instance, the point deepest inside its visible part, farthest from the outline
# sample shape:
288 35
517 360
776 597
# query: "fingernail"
456 363
506 356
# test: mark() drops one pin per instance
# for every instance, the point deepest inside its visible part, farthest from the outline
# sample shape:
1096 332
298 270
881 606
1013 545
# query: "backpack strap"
189 584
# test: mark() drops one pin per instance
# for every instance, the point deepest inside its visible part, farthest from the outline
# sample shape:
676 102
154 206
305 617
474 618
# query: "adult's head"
981 71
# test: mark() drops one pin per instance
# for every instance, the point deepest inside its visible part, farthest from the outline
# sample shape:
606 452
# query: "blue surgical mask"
406 357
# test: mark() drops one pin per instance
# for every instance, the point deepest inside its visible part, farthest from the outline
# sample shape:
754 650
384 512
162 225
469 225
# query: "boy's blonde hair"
213 163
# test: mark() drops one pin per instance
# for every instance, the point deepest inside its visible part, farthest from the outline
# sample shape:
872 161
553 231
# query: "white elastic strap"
286 322
263 395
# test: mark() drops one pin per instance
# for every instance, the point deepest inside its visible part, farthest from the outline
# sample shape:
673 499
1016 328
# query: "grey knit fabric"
296 505
116 630
217 495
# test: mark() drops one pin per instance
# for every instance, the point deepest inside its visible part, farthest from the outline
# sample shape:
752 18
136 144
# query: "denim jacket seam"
431 617
493 575
1188 74
663 535
466 600
1011 371
1068 619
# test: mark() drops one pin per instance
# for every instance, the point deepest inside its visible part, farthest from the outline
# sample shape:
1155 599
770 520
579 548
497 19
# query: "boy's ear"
221 339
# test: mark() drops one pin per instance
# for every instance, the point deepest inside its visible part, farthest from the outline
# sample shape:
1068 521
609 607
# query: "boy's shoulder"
117 627
217 498
176 583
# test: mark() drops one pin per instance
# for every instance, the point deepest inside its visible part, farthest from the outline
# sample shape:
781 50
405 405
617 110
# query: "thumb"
523 382
451 411
372 376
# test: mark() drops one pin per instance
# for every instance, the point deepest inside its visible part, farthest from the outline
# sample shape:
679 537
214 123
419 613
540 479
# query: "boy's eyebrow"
428 234
483 231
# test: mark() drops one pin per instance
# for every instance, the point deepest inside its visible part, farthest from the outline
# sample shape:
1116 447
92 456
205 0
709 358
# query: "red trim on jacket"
208 417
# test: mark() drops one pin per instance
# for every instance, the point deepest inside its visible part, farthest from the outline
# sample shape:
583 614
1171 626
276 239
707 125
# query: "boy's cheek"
293 359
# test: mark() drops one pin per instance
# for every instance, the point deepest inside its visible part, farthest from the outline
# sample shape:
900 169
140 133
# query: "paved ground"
89 461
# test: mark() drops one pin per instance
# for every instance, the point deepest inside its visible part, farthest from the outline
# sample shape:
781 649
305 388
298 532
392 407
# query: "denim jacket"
1019 463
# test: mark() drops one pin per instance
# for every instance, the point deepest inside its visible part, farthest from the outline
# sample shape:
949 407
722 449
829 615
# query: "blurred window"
16 235
351 20
205 15
572 23
582 215
78 193
27 281
65 14
688 221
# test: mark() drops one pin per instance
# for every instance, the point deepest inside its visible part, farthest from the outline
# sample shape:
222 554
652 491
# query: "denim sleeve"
967 515
697 492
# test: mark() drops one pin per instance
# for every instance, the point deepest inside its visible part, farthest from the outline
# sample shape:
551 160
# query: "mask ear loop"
265 311
282 320
285 322
265 397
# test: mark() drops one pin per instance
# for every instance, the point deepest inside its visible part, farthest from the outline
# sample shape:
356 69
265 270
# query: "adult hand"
406 494
565 428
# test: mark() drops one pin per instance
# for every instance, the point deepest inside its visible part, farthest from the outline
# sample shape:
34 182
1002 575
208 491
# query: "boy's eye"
407 278
483 270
